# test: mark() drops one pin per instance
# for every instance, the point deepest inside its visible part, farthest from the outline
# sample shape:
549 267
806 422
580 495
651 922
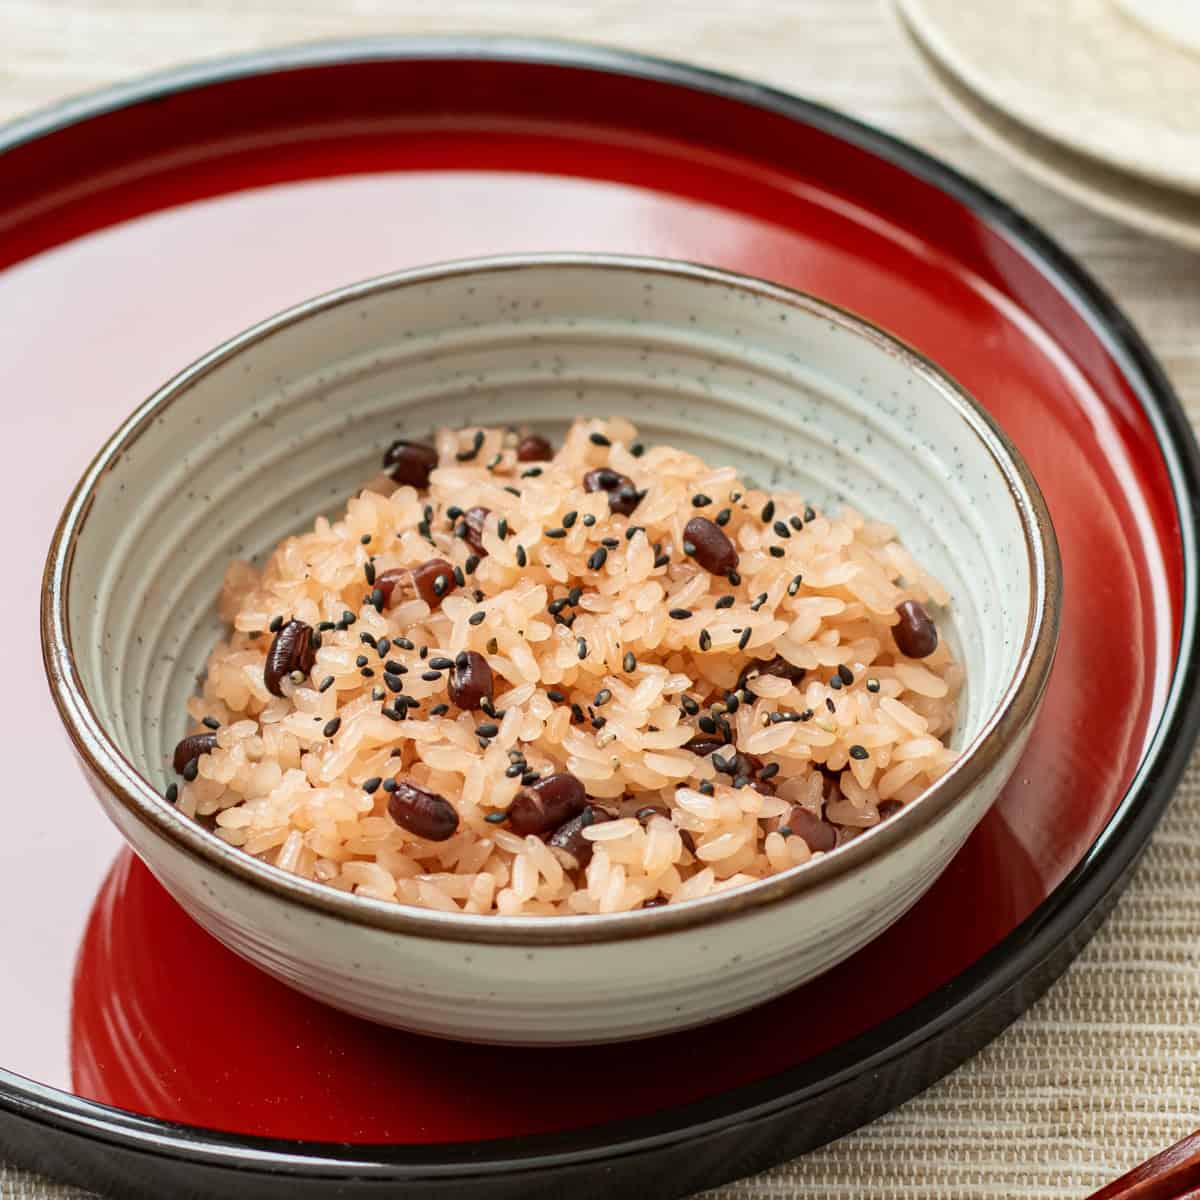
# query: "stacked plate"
1099 99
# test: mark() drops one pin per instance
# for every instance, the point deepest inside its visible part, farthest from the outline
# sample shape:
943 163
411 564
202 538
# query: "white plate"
1078 71
1165 212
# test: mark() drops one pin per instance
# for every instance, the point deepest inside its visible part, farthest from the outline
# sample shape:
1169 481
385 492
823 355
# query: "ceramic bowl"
280 424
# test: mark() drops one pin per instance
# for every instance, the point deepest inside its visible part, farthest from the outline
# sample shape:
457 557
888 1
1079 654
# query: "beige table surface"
1106 1068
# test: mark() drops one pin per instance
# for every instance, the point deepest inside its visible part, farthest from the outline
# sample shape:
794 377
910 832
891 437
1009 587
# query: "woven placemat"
1106 1068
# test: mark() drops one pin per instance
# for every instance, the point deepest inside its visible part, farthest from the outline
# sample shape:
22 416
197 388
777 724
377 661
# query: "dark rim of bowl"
1016 708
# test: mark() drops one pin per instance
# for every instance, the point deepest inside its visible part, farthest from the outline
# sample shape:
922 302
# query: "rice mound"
608 686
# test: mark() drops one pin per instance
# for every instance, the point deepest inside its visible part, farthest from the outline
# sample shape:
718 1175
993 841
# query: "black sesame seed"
369 572
731 702
439 710
556 533
637 449
389 785
707 725
459 577
633 529
794 586
190 771
835 682
872 685
705 640
598 559
724 516
383 646
589 520
522 558
706 788
570 518
476 446
611 542
371 786
776 551
423 530
809 515
689 705
512 491
493 646
679 614
781 530
367 639
454 512
724 602
367 673
531 777
700 500
441 663
629 662
476 618
555 695
859 752
845 674
532 473
806 715
365 539
407 701
556 606
394 714
796 523
325 684
515 770
768 512
734 578
603 696
361 661
760 600
470 565
576 714
662 560
689 548
332 726
404 644
326 626
581 647
769 771
744 640
377 693
275 625
575 595
430 676
172 793
496 818
829 704
502 528
598 439
488 729
211 723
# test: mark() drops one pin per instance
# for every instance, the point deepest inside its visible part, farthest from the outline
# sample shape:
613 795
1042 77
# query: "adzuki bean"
818 834
191 748
470 681
434 581
546 804
475 519
778 666
709 546
426 814
410 463
291 650
915 634
571 848
623 496
533 448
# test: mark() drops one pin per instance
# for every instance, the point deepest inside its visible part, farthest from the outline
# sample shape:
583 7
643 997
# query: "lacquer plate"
143 225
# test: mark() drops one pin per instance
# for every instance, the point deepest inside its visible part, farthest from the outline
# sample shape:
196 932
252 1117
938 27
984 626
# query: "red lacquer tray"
144 225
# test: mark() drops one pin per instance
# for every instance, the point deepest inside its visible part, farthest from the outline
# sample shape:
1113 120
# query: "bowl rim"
135 794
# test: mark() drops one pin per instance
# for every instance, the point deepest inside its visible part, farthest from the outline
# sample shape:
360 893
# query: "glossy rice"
610 686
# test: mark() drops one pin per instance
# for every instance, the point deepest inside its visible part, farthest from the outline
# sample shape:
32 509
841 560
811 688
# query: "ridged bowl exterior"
280 425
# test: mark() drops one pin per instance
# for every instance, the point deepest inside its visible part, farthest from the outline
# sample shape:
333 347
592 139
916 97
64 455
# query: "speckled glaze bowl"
283 422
